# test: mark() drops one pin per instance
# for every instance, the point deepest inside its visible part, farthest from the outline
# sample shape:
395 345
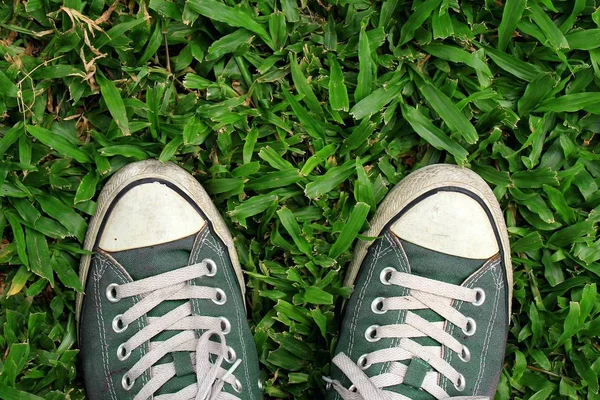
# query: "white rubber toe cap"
147 215
451 223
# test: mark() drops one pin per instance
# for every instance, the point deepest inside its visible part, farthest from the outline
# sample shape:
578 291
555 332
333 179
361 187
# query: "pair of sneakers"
163 315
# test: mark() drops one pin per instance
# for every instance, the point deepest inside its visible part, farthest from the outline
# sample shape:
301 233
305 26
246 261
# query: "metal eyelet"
386 275
220 297
230 357
371 334
471 327
237 386
225 325
353 389
479 297
211 266
118 325
122 352
127 383
465 354
363 362
461 383
377 306
111 293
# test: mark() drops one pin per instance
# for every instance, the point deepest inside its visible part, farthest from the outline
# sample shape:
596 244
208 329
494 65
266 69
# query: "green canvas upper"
486 345
103 370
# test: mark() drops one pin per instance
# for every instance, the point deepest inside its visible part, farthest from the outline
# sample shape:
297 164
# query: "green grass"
298 117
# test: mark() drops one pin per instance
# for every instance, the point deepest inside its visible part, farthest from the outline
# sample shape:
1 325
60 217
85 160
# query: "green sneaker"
163 314
429 314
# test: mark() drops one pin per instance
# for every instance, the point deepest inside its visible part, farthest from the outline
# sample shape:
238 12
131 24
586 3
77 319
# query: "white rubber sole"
420 182
166 172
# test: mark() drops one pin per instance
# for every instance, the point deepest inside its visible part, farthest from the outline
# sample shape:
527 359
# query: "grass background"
298 117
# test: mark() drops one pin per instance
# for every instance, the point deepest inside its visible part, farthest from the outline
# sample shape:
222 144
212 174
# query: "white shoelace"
176 285
423 294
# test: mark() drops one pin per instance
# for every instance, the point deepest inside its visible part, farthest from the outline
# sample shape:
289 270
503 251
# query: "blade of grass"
58 143
570 102
338 93
39 255
351 228
304 88
588 39
456 55
454 118
64 214
511 15
114 102
433 135
513 66
232 16
286 216
553 34
420 14
332 178
376 101
364 86
313 128
10 137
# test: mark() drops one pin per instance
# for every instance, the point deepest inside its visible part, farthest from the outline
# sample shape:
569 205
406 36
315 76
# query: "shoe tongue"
439 266
151 261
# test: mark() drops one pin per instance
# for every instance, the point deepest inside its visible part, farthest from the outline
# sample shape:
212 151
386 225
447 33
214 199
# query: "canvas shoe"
429 314
163 314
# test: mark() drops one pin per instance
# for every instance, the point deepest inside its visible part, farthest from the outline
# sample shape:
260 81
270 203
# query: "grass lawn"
298 117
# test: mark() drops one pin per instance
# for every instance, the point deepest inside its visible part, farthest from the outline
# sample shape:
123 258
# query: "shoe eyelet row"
211 266
220 297
111 293
118 325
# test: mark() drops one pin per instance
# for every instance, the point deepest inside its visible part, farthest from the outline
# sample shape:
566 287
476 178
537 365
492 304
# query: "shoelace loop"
209 354
423 294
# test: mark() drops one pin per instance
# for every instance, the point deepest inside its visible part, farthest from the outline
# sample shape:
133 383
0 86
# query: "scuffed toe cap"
449 222
147 215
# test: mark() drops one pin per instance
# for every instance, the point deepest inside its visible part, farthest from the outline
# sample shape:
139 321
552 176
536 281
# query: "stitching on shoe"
238 314
213 245
138 321
98 273
115 268
486 343
472 280
361 296
240 321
